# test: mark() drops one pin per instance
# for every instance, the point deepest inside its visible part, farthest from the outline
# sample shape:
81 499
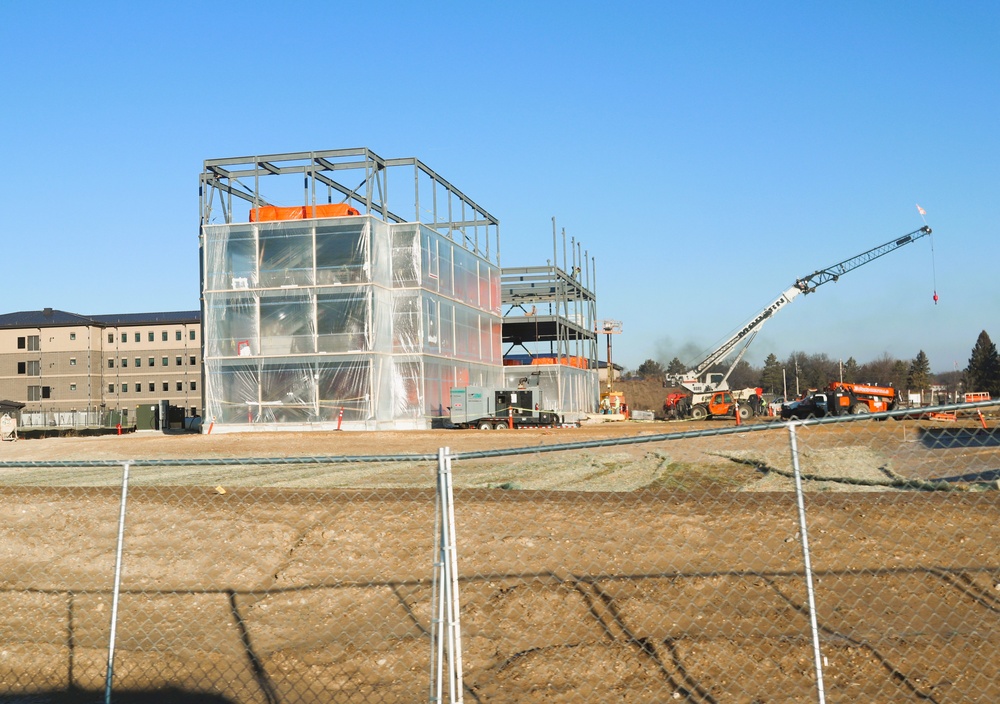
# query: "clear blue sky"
705 154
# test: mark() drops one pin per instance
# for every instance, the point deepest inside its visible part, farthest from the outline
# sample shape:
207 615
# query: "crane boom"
807 284
810 283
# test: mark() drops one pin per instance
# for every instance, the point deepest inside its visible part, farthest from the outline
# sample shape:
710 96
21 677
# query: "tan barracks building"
78 370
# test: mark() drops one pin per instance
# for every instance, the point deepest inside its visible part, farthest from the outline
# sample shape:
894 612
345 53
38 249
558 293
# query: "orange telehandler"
842 398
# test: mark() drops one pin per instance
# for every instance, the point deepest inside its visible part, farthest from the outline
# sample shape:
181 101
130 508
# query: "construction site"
829 555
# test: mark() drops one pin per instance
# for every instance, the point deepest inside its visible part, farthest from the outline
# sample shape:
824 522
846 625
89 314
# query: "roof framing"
437 203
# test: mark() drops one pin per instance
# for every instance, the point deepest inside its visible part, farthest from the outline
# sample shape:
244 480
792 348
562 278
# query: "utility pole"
610 400
609 328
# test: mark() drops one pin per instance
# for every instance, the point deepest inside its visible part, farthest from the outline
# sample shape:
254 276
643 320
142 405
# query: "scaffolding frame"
550 312
568 322
450 211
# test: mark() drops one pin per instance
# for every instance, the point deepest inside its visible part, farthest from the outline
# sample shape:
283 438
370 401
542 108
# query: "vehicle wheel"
858 409
744 412
486 425
500 426
699 413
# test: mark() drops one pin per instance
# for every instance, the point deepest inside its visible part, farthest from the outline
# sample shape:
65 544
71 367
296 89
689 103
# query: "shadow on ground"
949 438
169 695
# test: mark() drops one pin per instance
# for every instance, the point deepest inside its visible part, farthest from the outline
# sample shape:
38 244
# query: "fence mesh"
651 568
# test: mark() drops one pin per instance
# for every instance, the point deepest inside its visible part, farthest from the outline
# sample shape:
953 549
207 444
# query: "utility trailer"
488 408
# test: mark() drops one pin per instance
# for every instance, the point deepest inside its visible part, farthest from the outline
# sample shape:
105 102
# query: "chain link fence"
841 561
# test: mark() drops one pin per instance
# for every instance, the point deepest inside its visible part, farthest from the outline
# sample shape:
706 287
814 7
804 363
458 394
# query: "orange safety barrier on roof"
578 362
267 213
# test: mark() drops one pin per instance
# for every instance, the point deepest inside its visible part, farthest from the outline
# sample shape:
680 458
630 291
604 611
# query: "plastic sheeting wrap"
350 323
566 389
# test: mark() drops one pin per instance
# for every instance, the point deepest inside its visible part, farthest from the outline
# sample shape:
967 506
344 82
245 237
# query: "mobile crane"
699 384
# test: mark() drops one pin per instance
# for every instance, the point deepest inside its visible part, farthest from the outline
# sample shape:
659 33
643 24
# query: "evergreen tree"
676 366
650 369
743 375
918 378
770 377
983 372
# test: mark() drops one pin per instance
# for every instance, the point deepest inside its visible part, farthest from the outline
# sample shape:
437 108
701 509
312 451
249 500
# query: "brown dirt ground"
647 572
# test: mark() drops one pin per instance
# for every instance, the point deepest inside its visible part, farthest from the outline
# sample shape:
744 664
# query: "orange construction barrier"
267 213
578 362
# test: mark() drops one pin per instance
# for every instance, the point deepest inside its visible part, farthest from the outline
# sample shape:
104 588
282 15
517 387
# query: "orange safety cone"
340 417
510 417
736 410
981 419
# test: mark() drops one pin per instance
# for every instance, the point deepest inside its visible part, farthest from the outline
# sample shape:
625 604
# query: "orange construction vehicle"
866 398
714 405
722 403
842 398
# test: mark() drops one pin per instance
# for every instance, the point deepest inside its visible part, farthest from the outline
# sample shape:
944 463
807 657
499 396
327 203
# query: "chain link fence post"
807 565
446 635
116 590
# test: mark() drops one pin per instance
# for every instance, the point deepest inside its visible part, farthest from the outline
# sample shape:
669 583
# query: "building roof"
50 317
184 316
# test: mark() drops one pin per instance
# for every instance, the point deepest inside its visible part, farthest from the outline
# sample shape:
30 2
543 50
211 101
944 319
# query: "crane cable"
933 261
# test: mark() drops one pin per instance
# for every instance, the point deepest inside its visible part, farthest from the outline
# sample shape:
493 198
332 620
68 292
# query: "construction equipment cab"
721 403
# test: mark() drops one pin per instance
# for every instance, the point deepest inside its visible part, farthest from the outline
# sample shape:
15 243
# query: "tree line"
802 371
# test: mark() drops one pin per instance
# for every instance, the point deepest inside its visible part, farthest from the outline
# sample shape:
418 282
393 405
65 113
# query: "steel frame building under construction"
325 305
363 320
550 323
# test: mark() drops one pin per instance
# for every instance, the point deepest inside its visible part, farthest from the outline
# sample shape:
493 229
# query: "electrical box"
470 403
